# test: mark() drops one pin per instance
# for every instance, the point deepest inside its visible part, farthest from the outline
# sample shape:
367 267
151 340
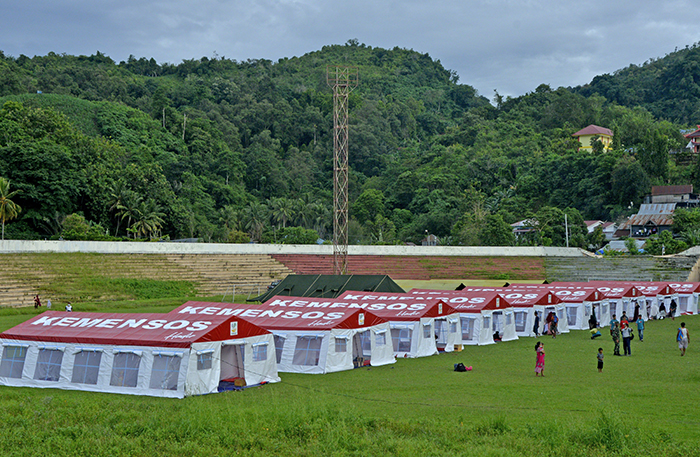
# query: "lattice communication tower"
343 80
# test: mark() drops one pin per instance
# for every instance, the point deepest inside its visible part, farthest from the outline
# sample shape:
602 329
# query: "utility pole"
343 80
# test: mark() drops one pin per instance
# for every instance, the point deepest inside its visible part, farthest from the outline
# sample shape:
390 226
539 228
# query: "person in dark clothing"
536 327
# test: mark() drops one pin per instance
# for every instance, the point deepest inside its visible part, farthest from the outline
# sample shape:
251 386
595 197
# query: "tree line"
229 151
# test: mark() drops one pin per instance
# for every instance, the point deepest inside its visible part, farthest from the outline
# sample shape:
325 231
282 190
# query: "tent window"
48 365
86 367
260 353
125 369
401 339
307 350
571 315
164 374
380 339
605 310
453 326
520 320
279 346
509 318
487 323
467 328
426 331
587 310
204 360
12 361
341 345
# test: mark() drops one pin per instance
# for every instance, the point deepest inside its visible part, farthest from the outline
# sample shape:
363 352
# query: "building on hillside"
694 137
522 228
683 195
651 219
586 136
608 228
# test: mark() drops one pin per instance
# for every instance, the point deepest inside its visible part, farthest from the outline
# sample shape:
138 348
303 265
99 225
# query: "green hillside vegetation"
229 151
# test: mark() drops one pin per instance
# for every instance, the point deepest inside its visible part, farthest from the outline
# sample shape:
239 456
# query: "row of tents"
203 347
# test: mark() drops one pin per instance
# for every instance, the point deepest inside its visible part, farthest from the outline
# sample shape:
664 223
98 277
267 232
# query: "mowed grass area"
640 405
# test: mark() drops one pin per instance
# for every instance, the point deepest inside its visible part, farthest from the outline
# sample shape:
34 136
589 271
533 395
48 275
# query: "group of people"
551 324
624 329
37 304
621 328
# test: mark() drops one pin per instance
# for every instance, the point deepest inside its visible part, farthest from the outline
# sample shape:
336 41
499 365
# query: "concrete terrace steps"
23 275
421 267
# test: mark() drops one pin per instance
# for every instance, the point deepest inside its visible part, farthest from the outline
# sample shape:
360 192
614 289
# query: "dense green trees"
236 151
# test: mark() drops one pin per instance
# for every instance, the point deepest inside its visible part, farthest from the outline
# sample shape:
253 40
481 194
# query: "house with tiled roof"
694 138
651 219
586 136
672 194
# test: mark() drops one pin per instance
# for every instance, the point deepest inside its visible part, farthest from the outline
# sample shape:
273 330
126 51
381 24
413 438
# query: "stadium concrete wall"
107 247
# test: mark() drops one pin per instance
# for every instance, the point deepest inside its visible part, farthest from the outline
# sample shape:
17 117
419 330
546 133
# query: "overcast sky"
508 45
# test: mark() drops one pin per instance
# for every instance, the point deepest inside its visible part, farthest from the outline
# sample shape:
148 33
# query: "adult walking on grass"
536 327
626 337
615 333
683 338
640 328
539 360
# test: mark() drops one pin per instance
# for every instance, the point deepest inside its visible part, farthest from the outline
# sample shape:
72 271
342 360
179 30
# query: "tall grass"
642 405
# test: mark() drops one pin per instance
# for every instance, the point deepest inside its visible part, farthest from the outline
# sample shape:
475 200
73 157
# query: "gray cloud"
508 45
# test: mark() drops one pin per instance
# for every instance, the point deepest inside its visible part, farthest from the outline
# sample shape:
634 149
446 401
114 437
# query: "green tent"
329 286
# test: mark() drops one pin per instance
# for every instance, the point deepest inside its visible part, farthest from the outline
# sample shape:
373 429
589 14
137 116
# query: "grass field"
640 405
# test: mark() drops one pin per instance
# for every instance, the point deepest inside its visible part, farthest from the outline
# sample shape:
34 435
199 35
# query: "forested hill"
668 87
228 151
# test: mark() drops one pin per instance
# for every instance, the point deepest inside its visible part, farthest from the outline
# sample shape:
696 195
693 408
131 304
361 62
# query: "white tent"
621 297
688 293
139 354
579 302
312 335
481 314
419 328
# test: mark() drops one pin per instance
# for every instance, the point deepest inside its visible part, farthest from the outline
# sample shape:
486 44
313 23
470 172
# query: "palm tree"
8 209
129 207
118 194
255 215
149 219
282 211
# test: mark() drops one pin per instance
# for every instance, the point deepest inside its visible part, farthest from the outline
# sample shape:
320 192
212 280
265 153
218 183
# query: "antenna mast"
343 80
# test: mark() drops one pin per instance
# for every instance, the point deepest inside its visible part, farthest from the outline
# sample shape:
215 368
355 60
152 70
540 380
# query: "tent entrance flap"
361 349
232 365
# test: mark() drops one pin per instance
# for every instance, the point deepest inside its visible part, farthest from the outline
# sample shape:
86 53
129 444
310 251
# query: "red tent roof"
467 300
594 130
290 313
515 298
612 289
164 330
566 293
398 307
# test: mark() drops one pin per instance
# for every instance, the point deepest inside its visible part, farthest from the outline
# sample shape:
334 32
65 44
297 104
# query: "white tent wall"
339 356
382 350
486 328
424 338
144 377
446 330
508 330
469 328
329 355
314 361
259 369
529 319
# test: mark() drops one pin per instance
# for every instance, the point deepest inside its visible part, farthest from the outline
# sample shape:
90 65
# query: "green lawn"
640 405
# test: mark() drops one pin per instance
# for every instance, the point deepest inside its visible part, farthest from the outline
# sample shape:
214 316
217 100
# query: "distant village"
655 215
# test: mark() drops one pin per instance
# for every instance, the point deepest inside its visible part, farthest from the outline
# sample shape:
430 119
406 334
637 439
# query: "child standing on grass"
539 361
600 360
